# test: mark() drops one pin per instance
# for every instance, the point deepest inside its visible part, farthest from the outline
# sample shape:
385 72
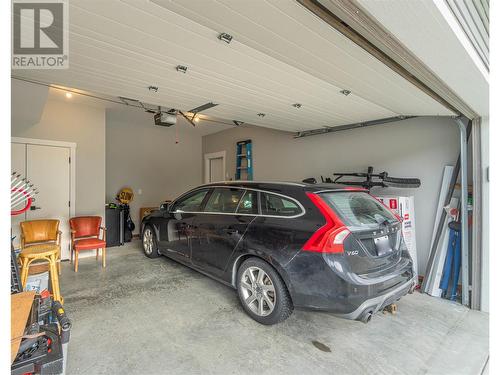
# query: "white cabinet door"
48 168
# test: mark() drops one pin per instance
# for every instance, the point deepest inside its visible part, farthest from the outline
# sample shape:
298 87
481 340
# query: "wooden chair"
41 240
85 233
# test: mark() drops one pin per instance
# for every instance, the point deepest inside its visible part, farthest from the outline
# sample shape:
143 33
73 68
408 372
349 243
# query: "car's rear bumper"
316 284
372 305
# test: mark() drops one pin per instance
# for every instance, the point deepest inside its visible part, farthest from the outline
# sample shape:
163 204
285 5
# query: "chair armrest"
103 233
58 238
72 236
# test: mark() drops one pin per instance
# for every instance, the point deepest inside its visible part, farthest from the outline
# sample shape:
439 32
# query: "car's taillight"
331 236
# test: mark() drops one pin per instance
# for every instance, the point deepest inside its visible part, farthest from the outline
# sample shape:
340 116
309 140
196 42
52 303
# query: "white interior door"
48 168
216 169
18 165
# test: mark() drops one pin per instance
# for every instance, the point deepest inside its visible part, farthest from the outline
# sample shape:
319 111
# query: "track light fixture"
153 88
181 68
297 105
225 37
345 92
261 114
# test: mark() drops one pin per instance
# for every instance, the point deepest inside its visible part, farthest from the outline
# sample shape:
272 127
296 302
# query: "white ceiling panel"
284 30
280 55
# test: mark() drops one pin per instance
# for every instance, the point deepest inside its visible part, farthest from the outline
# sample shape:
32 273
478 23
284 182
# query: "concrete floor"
144 316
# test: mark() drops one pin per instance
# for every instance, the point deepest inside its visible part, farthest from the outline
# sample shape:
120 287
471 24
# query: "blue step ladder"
244 152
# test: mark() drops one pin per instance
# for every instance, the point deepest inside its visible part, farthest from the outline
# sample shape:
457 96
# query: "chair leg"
76 261
103 257
54 277
96 254
58 260
24 272
71 251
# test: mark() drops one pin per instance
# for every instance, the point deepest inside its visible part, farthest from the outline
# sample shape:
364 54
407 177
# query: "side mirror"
165 206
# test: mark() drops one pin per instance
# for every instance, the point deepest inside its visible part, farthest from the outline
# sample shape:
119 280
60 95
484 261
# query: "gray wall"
71 122
411 148
146 158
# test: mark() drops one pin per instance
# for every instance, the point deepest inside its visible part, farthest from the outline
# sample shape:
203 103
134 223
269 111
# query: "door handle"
232 231
33 208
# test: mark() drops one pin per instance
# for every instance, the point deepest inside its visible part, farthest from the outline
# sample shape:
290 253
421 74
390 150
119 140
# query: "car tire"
260 286
149 243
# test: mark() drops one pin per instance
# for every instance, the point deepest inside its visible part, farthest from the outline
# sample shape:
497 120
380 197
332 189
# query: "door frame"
72 164
214 155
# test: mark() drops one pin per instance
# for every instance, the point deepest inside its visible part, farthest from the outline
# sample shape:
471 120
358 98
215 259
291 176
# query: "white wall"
146 157
70 121
419 147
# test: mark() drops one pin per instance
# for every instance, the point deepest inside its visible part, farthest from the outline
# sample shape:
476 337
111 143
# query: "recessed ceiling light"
153 88
261 114
181 68
345 92
69 95
225 37
297 105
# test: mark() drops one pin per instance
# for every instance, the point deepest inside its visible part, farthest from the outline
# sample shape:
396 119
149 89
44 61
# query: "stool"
48 252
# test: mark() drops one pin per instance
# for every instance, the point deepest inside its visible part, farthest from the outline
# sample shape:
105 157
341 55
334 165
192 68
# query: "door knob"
33 208
232 231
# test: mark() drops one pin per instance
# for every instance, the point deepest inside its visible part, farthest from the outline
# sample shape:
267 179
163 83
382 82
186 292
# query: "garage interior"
318 87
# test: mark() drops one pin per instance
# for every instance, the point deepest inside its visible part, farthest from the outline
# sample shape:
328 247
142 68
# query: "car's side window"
191 203
249 204
276 205
224 200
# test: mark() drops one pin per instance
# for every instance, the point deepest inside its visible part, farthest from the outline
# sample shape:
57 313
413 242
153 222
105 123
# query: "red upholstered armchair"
85 233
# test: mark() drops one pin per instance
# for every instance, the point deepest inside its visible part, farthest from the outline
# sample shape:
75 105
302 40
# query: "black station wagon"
287 245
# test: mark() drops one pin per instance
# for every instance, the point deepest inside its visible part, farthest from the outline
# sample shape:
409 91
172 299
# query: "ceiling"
280 54
36 95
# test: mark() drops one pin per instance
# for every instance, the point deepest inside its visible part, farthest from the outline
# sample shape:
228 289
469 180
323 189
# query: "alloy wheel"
258 291
147 241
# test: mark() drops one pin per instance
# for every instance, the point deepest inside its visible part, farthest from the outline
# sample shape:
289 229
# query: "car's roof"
273 185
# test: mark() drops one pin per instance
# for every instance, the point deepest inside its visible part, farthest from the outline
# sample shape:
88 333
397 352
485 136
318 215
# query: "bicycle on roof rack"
370 180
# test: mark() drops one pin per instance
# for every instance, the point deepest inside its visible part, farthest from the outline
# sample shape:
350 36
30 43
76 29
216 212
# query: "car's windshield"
358 209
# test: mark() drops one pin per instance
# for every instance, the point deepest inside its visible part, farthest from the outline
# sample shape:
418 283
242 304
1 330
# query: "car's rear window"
277 205
357 208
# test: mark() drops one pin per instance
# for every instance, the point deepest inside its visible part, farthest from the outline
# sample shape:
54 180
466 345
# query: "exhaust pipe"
366 316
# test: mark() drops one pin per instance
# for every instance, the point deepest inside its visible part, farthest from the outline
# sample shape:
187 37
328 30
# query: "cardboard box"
20 307
38 282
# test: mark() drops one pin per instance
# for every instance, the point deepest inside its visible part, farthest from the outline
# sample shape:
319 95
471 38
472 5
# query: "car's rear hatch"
374 246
